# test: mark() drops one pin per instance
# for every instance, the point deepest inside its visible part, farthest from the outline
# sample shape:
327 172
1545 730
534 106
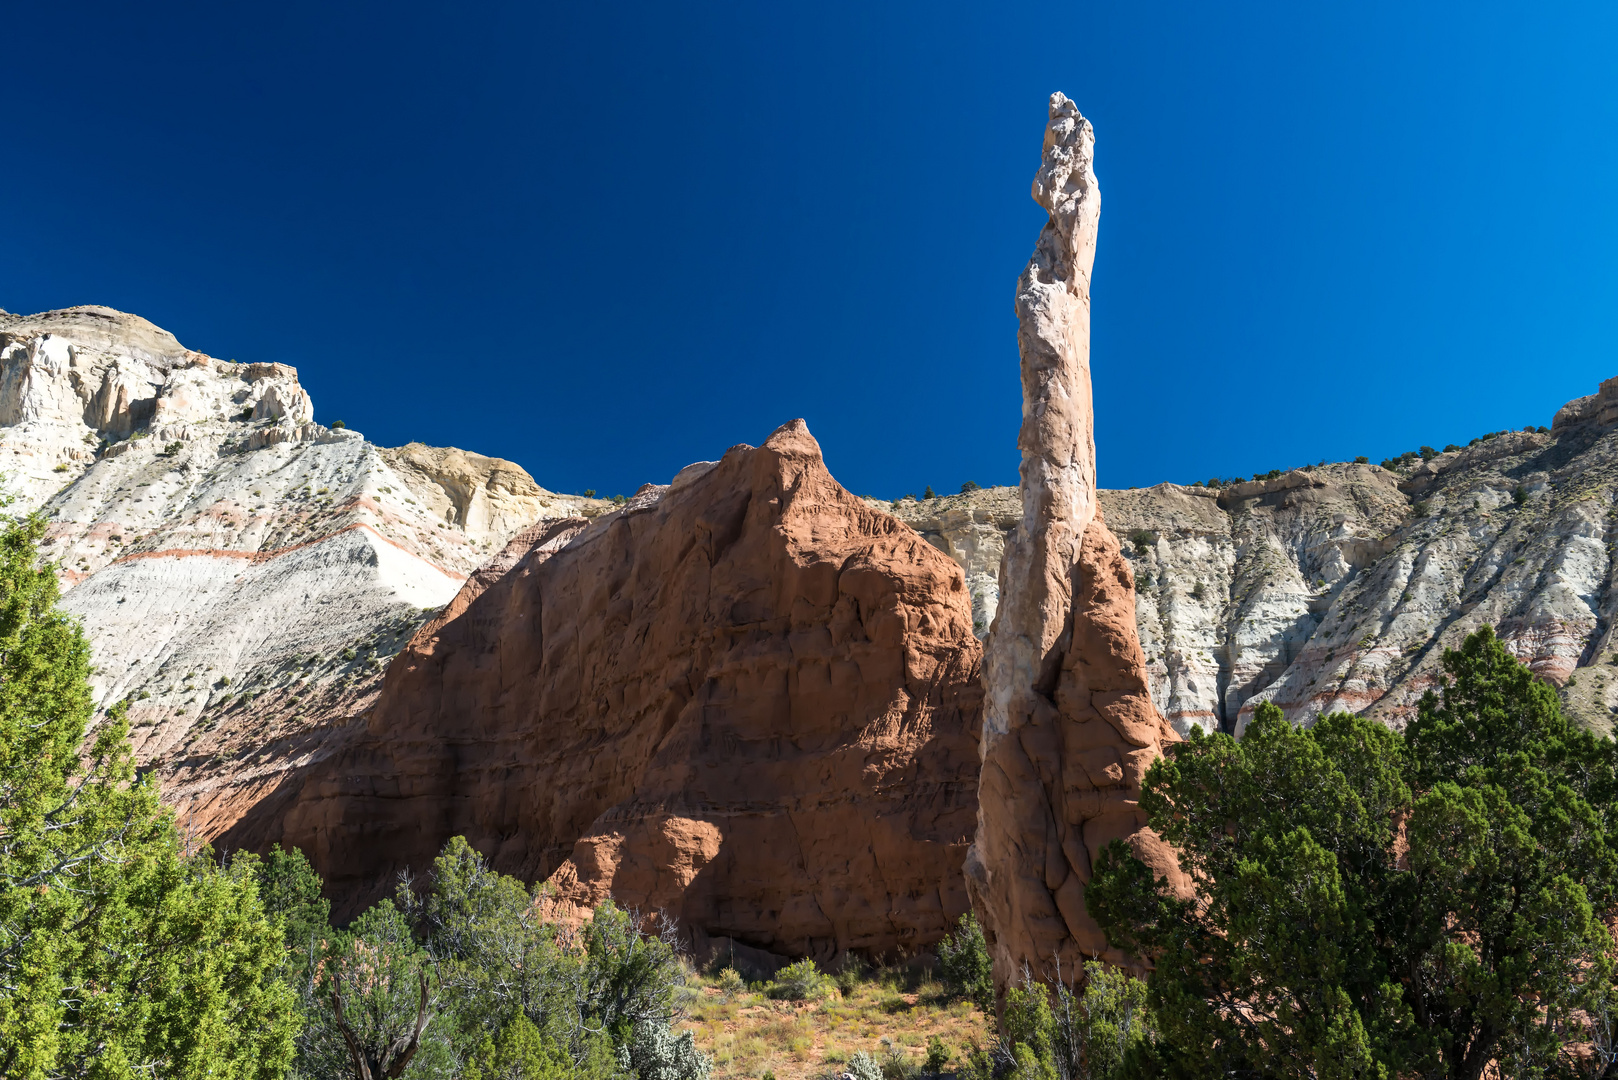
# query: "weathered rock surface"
1339 586
971 529
244 574
747 698
1069 726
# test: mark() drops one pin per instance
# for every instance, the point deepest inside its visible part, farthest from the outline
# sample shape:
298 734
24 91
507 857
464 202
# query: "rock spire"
1069 727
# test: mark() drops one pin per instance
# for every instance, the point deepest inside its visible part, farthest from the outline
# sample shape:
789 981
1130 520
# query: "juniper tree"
120 954
1367 904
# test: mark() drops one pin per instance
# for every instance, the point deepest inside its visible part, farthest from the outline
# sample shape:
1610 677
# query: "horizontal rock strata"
1340 585
244 574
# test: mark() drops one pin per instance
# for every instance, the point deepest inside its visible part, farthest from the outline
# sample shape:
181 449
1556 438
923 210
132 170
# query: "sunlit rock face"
1069 726
244 574
746 699
1338 586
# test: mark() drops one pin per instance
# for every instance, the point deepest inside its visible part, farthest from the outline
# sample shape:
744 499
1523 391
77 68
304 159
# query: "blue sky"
605 240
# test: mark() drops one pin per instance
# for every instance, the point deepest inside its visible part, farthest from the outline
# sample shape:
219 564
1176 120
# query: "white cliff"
1339 586
243 573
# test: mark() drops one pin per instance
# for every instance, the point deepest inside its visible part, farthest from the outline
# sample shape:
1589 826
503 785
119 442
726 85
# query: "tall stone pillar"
1069 727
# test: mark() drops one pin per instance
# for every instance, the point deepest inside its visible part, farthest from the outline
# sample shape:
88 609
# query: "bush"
851 969
798 982
862 1066
1519 495
928 493
1420 508
1395 904
338 425
730 982
963 961
654 1052
1362 460
937 1056
895 1064
60 468
969 486
1427 453
1142 541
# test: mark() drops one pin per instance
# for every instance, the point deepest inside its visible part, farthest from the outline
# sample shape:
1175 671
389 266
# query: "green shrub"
731 982
1362 460
969 486
928 493
1519 495
1367 870
895 1063
1142 541
655 1052
1427 453
963 961
589 493
851 969
338 425
60 468
801 981
1420 508
1199 591
937 1056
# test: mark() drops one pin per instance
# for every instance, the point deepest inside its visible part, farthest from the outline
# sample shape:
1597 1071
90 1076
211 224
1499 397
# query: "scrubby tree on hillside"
1375 905
461 974
120 955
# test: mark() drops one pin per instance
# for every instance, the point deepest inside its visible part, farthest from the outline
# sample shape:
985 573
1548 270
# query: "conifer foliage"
1370 904
120 955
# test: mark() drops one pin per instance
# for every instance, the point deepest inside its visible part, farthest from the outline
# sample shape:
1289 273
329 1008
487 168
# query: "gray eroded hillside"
1338 586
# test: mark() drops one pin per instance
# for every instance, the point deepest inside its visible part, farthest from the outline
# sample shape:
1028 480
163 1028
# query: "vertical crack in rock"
1069 725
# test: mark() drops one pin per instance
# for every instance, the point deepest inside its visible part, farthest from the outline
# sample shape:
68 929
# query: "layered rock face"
1069 726
1339 586
244 574
747 699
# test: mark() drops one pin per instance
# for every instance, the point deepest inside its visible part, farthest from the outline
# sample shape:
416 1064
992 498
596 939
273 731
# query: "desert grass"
749 1035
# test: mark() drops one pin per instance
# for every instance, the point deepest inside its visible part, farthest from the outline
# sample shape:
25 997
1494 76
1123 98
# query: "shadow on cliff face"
747 699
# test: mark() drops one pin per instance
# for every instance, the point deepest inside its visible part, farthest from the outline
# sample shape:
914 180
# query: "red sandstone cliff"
748 699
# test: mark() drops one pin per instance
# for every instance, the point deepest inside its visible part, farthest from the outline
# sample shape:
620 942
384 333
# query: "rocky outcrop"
971 529
746 698
1338 586
244 575
1069 726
